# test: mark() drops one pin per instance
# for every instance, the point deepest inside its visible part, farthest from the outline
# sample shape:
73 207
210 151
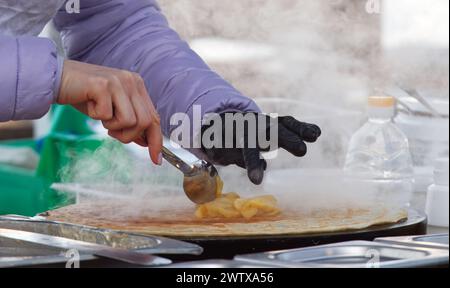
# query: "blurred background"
330 52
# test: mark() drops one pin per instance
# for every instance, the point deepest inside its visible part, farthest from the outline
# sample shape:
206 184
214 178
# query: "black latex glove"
292 135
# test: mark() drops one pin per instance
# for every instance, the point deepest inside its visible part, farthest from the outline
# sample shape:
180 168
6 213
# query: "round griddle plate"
228 247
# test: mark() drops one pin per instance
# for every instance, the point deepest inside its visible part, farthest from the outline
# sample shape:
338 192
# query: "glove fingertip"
256 176
312 135
299 149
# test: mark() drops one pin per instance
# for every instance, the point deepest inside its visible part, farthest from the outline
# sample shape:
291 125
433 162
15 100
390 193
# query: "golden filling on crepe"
231 205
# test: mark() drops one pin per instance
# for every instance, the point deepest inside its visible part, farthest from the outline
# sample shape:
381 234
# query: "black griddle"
228 247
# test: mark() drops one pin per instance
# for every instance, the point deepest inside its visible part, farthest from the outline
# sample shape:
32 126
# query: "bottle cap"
382 101
381 107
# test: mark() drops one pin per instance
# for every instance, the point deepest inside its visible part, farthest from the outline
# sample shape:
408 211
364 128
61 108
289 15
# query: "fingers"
116 97
124 110
225 157
146 129
155 144
240 162
254 164
143 118
307 132
291 142
153 131
141 141
99 104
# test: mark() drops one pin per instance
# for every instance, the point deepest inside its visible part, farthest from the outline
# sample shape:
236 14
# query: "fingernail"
160 159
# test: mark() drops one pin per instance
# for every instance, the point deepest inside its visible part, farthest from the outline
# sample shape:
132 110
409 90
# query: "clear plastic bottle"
378 160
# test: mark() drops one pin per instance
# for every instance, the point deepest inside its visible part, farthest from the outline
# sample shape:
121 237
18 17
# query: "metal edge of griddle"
433 258
166 246
228 247
412 242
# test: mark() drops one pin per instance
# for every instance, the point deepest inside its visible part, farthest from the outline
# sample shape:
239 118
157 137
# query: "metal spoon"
200 176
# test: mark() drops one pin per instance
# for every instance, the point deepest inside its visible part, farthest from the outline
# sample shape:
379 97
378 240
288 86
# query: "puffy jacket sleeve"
134 35
29 76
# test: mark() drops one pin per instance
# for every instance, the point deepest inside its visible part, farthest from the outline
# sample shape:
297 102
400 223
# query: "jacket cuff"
59 72
8 75
37 77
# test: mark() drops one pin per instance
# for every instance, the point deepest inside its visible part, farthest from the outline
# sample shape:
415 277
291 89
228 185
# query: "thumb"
255 165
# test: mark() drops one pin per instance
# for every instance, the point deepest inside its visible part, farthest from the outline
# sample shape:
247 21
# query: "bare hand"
118 98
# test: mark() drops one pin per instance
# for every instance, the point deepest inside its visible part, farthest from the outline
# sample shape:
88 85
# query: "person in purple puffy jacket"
125 67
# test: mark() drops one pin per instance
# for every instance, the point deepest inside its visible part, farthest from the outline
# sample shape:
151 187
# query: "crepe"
182 223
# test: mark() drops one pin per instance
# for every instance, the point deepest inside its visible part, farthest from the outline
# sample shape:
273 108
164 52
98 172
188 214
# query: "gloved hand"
116 97
292 135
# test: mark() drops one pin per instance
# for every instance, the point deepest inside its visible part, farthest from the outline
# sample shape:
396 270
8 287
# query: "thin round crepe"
182 223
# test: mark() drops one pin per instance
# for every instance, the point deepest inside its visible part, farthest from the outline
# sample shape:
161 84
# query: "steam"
117 173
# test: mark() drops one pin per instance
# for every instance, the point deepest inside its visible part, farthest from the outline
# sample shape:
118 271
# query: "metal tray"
18 253
221 264
353 254
436 241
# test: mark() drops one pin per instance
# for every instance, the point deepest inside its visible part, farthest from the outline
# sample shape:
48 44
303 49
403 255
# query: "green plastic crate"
27 192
